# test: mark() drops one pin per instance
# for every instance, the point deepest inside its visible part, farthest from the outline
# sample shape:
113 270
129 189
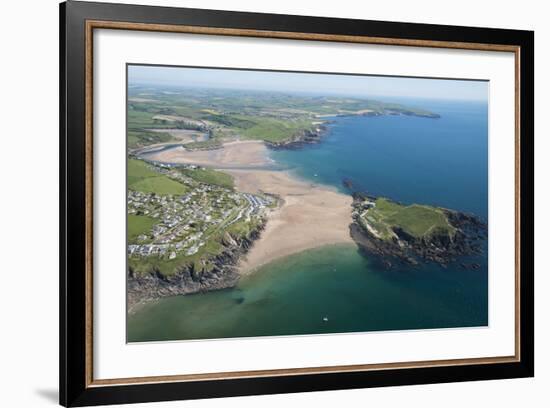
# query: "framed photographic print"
255 203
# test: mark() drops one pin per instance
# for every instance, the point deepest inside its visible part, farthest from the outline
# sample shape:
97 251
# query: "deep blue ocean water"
410 159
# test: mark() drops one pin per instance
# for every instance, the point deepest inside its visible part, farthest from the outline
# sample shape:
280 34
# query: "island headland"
413 234
206 206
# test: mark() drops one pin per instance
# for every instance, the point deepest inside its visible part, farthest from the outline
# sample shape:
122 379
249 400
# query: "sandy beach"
239 154
310 215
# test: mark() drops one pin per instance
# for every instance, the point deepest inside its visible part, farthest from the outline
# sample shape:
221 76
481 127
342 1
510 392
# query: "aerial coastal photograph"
275 203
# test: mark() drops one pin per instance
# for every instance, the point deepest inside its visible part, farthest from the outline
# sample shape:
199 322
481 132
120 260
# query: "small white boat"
325 319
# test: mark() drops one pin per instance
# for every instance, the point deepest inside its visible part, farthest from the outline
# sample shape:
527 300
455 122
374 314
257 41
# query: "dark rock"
347 183
440 248
300 139
188 279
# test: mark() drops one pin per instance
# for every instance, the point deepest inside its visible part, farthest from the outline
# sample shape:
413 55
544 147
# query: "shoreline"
309 216
237 154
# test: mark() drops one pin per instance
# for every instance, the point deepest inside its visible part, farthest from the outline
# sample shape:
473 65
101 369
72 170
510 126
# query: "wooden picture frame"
78 20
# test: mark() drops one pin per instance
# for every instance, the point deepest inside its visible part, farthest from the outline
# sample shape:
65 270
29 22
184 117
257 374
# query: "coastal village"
248 213
183 224
201 187
182 134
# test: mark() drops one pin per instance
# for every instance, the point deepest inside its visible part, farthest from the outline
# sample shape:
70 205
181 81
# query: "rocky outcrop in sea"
440 248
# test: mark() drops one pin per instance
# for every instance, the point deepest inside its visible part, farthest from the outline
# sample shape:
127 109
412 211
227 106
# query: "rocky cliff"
188 279
300 139
439 246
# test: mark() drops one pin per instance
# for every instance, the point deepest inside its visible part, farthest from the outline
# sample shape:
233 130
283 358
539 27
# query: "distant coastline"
309 215
280 203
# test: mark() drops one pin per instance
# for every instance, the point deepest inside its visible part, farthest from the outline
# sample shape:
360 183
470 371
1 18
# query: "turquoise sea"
336 289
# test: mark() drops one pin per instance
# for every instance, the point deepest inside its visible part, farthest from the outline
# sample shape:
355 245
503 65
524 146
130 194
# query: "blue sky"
322 84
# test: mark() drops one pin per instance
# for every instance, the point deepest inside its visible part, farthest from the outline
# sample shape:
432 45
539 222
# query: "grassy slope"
207 144
274 130
416 220
138 120
137 225
141 178
202 260
137 138
168 267
210 176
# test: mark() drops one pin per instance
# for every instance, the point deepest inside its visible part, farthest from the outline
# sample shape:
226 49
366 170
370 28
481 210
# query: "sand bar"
240 154
310 216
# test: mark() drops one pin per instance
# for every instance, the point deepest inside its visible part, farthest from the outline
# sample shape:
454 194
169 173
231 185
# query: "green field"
137 225
142 178
416 220
143 119
230 114
210 176
273 130
138 169
138 138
